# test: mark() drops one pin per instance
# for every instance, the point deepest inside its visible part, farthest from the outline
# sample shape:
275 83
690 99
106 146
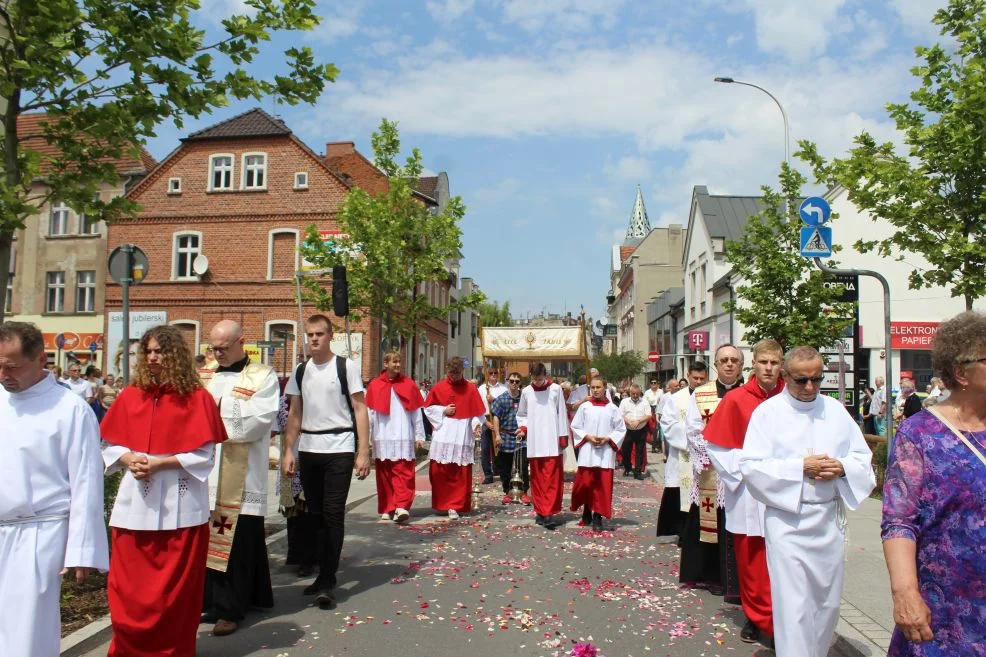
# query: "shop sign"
912 335
73 341
698 340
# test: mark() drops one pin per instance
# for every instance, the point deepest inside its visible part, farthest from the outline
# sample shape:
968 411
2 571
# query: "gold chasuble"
707 400
233 466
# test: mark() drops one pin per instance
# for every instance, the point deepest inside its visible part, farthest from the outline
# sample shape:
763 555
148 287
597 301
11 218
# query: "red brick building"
242 193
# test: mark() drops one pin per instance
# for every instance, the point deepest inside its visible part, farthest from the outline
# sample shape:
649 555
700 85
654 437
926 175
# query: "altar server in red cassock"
599 430
543 418
724 434
161 431
456 413
396 428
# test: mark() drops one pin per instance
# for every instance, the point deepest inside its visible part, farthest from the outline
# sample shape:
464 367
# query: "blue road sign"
815 211
816 242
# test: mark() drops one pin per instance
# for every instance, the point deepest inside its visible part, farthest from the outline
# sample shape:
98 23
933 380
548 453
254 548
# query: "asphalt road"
493 583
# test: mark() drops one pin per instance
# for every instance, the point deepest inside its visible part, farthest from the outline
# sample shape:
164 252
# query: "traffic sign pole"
125 281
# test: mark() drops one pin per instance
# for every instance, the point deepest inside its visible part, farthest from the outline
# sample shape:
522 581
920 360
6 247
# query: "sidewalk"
866 619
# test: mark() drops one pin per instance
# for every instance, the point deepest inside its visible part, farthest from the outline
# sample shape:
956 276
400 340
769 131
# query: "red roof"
626 252
30 133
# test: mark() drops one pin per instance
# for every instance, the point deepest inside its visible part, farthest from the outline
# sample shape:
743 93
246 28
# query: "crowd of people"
759 473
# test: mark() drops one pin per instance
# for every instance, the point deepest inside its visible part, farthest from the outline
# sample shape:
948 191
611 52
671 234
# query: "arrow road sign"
816 242
815 211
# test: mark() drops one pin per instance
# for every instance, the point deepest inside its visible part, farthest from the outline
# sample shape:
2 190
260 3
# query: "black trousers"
486 449
246 582
325 479
302 536
505 468
636 439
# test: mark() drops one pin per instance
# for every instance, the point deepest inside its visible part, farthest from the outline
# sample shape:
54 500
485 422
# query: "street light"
787 130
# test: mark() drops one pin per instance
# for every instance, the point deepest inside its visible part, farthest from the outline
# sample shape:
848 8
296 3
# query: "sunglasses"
513 380
803 380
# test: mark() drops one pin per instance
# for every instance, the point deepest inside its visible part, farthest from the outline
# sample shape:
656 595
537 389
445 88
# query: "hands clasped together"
820 466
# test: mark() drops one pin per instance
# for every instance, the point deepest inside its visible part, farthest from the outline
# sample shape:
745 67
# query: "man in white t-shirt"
653 396
334 435
77 384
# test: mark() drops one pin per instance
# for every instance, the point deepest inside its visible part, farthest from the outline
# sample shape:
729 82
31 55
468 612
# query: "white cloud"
339 21
448 11
796 29
733 39
873 38
561 15
629 167
503 190
916 16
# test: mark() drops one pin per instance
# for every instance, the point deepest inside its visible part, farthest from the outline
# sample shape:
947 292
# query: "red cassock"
395 485
157 578
594 486
547 483
451 486
727 428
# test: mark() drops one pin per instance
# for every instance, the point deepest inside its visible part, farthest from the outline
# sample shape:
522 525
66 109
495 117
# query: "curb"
99 631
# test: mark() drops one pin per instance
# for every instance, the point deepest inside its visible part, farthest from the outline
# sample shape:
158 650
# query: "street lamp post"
787 128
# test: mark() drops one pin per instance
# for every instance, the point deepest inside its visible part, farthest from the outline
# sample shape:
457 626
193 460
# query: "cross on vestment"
707 503
222 524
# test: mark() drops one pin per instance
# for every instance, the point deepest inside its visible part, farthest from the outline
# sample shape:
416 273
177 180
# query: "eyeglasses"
218 349
803 380
513 380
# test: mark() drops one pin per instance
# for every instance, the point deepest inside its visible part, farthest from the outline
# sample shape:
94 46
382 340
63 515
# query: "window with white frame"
254 171
187 247
174 185
221 172
88 225
301 180
8 303
58 221
85 292
56 292
282 254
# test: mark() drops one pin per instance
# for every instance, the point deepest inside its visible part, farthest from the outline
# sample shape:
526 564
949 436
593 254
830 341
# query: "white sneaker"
453 514
385 516
401 515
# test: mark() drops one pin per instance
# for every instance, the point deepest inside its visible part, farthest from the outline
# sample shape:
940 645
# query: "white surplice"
581 392
452 439
606 421
804 519
543 416
393 435
744 513
247 421
51 510
673 428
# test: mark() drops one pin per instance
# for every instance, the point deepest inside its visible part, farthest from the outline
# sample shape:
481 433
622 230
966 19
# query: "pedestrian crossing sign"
816 241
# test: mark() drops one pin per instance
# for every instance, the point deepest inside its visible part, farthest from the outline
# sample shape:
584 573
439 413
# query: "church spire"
639 224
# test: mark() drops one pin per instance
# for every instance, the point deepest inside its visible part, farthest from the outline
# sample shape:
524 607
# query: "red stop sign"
654 356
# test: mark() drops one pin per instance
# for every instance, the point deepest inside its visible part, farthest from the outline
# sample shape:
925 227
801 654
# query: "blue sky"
546 114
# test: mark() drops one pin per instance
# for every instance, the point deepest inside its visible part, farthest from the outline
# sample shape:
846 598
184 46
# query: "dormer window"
220 172
254 171
174 185
301 180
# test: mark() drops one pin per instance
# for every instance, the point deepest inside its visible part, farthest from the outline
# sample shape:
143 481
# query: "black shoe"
539 520
627 473
597 522
488 480
325 599
313 588
638 476
749 633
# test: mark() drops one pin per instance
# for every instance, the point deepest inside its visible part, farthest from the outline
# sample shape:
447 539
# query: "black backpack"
341 363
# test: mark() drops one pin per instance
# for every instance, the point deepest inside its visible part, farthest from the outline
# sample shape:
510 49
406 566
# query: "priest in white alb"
248 396
456 412
396 428
805 458
599 429
51 509
543 418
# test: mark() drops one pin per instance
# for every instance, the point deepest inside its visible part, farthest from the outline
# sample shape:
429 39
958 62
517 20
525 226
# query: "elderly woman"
934 502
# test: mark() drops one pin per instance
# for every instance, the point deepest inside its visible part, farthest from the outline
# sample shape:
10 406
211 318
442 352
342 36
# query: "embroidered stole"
685 475
707 401
206 373
234 461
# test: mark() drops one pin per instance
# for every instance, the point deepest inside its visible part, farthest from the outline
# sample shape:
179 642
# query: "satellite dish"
200 265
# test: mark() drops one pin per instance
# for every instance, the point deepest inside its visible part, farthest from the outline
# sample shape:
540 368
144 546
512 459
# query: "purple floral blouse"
935 495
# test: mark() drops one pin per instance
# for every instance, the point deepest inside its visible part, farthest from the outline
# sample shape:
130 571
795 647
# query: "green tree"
491 313
934 194
618 367
111 71
782 295
393 243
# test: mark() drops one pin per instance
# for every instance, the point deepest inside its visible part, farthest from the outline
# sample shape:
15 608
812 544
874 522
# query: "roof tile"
252 123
